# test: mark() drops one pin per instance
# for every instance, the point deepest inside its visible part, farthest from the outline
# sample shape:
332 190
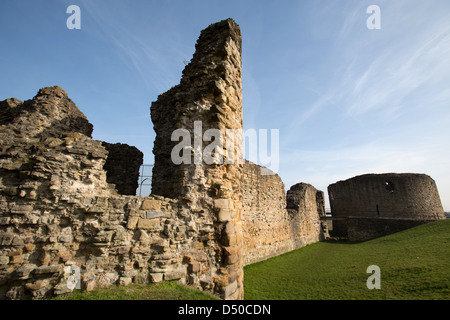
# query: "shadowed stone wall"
372 205
122 167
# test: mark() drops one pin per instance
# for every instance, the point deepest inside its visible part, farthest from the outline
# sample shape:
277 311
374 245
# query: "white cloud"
143 51
324 167
392 81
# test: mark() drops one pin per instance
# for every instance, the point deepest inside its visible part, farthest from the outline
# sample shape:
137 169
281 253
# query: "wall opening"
389 186
145 180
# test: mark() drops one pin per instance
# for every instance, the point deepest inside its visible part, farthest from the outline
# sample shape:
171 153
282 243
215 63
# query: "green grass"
414 264
167 290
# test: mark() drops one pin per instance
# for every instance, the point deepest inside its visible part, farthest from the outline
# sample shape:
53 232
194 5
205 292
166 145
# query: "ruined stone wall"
377 204
59 214
265 221
122 167
209 96
273 223
59 211
306 206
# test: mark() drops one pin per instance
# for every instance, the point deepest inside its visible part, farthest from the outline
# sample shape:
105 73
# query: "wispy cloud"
394 80
142 53
388 84
382 72
326 166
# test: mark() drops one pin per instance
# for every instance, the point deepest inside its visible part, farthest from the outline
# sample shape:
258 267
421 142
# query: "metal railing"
145 179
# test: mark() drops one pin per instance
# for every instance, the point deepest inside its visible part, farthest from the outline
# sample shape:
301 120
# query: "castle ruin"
67 201
372 205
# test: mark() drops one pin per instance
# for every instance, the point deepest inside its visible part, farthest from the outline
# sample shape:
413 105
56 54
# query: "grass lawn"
414 264
167 290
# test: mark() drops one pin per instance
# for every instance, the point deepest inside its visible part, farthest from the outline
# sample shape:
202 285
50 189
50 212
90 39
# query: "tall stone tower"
209 96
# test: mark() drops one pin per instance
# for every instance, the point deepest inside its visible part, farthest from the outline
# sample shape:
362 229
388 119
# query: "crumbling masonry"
67 201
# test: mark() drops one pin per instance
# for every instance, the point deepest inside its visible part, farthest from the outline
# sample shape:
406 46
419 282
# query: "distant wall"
270 226
376 204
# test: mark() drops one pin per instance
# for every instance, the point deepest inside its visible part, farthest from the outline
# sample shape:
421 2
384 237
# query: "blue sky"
347 100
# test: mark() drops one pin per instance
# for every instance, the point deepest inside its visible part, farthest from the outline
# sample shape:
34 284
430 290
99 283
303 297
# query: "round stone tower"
372 205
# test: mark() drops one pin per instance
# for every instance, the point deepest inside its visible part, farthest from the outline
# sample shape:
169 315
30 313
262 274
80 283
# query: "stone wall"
372 205
276 223
51 108
122 167
63 209
209 96
59 214
306 206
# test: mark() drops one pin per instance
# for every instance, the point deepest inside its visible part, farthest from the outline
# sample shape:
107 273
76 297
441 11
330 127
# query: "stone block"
230 228
194 267
149 204
65 238
97 209
4 260
154 214
230 289
232 259
148 224
23 272
221 281
6 239
16 259
15 252
124 281
132 222
104 236
141 278
90 285
226 215
11 191
231 240
156 277
37 284
4 220
21 209
175 274
48 269
221 203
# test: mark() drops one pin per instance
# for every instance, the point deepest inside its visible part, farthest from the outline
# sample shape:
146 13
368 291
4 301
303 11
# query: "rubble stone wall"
276 223
209 97
66 221
59 214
